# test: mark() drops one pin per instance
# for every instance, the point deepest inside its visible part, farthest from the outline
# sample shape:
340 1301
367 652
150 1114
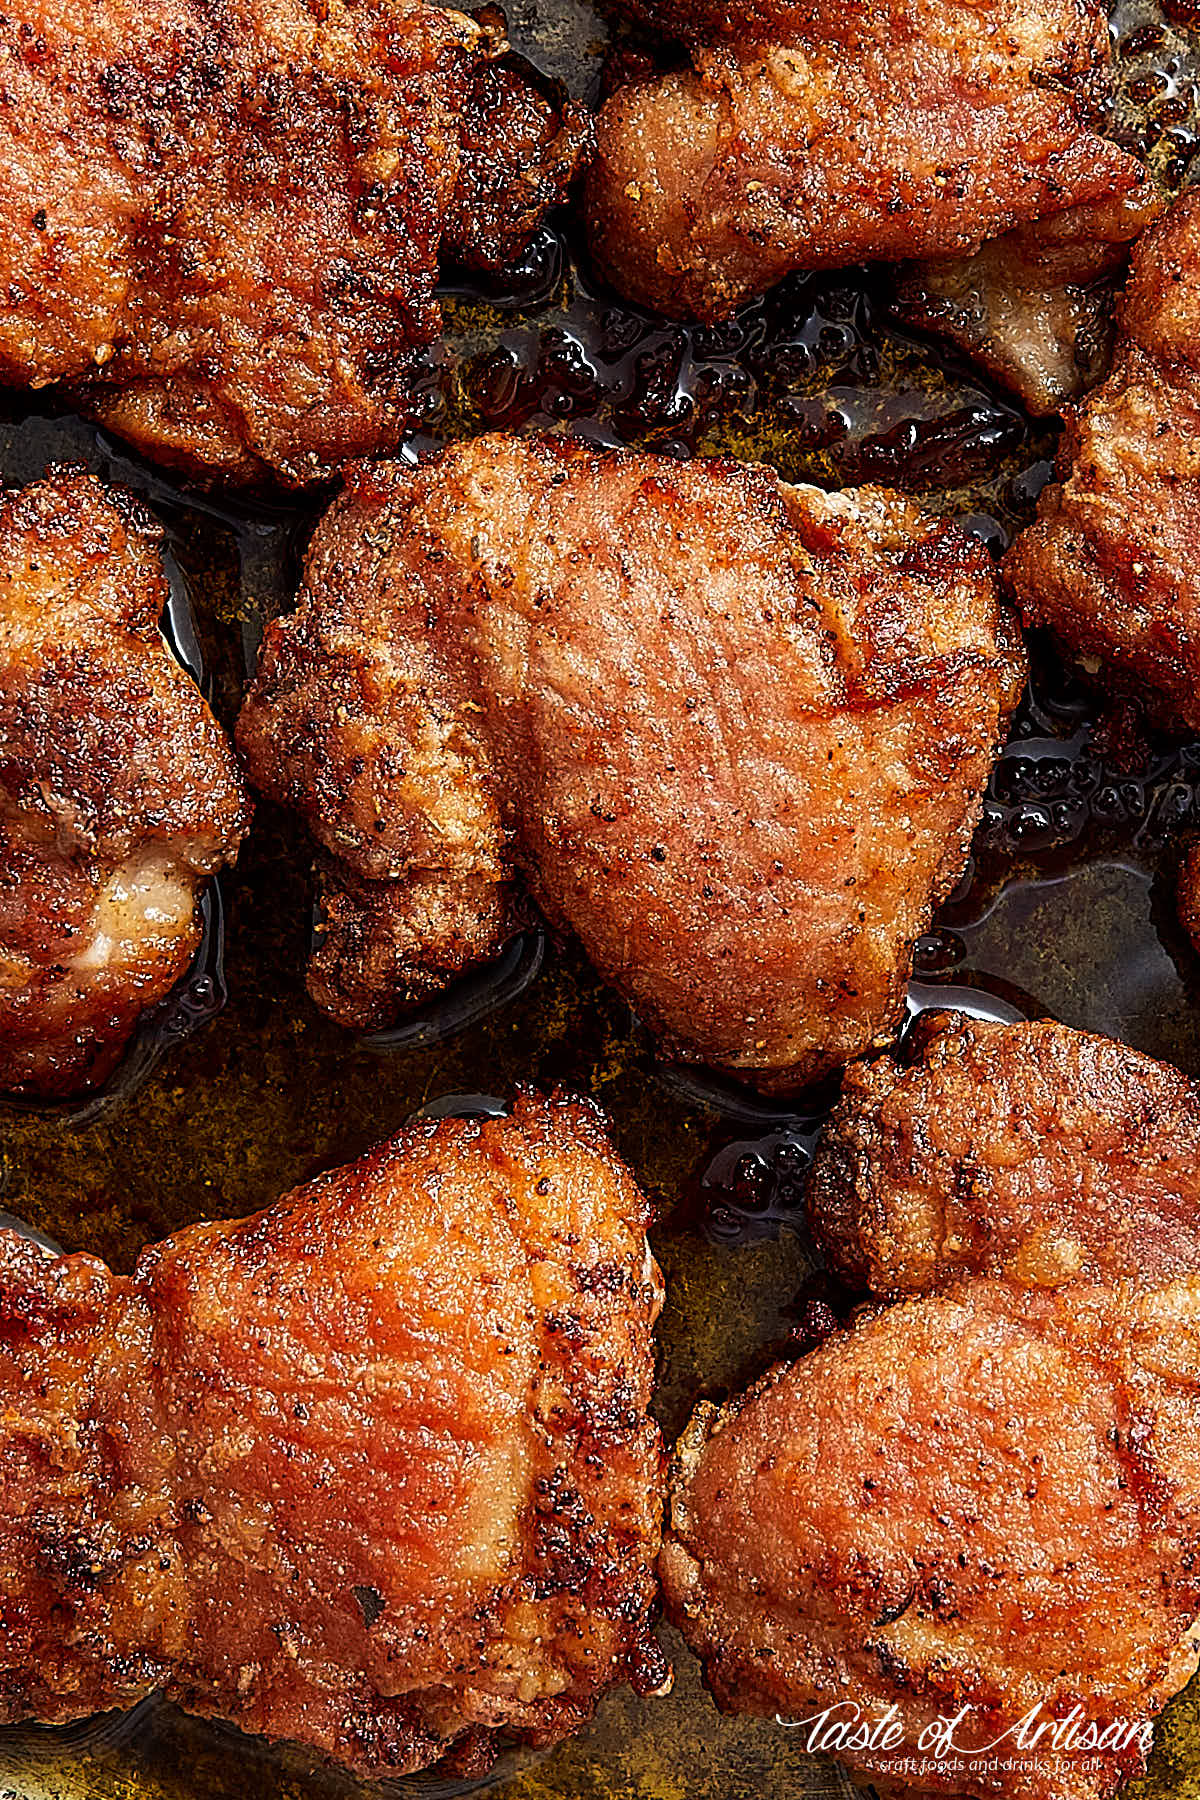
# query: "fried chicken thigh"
119 793
986 1500
981 1503
220 226
1112 565
812 134
371 1470
733 734
1031 1153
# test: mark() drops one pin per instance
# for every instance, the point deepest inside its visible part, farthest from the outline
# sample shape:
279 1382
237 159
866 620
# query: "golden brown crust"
380 947
220 225
355 721
519 153
815 134
734 734
1112 565
1030 1152
372 1470
119 794
983 1502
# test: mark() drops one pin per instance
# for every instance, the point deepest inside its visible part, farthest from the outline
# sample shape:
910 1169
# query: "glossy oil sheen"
1066 910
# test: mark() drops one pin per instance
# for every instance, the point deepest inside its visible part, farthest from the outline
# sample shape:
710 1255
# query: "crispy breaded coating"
1112 565
371 1470
984 1503
220 226
981 1503
733 734
119 793
1030 1152
812 134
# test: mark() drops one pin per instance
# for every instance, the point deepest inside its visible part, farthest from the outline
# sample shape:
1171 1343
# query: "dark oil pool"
239 1089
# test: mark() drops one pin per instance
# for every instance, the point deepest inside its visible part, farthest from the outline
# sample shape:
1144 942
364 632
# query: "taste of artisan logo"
845 1729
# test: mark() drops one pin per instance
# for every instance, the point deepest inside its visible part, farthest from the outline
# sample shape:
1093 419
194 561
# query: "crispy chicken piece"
1113 563
982 1503
734 734
1034 307
1029 1152
813 134
371 1470
119 793
221 227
